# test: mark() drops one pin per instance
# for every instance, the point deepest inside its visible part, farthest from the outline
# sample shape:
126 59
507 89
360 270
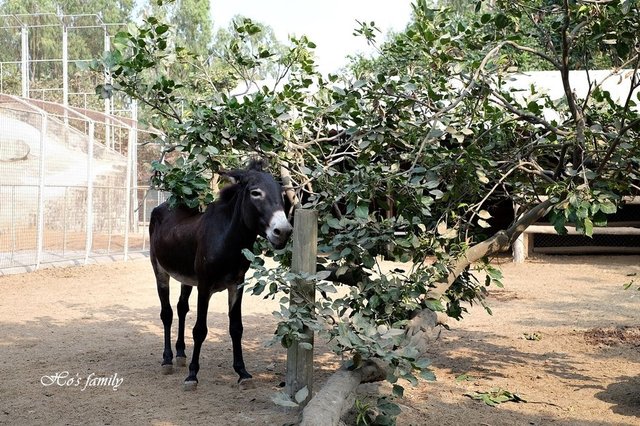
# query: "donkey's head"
262 203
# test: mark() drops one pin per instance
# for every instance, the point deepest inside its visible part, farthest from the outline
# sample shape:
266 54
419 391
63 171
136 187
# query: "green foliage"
465 378
382 413
535 336
496 396
246 47
585 208
403 161
631 283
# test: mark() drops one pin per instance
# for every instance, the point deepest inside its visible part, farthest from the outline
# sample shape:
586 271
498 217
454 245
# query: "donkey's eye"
257 193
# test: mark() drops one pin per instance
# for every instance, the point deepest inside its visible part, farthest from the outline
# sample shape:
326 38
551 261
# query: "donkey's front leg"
235 330
199 334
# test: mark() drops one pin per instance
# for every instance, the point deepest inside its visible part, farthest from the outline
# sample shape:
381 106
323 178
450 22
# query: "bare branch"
538 53
529 116
564 68
597 1
623 128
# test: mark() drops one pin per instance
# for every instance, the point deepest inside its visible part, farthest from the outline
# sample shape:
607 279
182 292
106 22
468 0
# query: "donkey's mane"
228 192
258 164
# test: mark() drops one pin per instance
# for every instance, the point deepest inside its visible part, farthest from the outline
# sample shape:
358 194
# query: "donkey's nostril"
277 232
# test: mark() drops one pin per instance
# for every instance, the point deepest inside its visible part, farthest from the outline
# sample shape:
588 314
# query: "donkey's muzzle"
279 230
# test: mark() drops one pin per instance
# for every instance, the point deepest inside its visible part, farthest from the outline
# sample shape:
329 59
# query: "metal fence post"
14 239
24 33
65 72
108 141
41 188
89 224
128 195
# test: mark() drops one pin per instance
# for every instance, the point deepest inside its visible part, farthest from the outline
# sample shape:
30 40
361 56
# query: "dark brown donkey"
204 250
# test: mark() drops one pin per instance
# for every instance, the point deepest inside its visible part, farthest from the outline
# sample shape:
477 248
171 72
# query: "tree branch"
531 118
538 53
496 244
623 128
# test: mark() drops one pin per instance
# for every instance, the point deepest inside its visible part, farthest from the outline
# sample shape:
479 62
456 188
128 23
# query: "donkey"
204 250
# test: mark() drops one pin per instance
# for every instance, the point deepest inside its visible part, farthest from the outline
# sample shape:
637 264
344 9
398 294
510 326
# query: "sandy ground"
102 321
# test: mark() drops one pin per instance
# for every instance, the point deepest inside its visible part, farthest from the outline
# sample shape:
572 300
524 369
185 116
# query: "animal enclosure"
71 185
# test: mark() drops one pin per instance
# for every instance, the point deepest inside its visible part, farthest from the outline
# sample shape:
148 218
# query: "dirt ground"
83 346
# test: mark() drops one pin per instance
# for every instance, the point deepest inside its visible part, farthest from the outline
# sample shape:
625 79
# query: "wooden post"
300 357
519 249
528 244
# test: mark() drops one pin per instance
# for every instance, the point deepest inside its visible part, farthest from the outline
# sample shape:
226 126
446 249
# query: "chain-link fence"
71 188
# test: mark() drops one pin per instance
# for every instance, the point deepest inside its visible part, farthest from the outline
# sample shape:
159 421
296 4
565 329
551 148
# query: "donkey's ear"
257 164
234 176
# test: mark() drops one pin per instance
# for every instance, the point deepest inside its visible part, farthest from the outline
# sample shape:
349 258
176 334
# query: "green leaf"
389 408
283 400
608 207
334 223
501 21
161 29
306 346
483 214
588 227
301 395
428 375
436 193
362 211
345 252
322 275
398 391
422 363
249 255
465 378
434 305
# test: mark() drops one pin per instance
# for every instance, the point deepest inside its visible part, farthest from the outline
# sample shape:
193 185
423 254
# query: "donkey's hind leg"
166 315
183 308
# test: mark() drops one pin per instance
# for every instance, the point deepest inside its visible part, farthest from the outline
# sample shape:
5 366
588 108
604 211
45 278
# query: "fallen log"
332 401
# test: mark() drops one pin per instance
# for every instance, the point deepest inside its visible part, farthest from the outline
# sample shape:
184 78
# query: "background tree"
190 20
44 20
244 47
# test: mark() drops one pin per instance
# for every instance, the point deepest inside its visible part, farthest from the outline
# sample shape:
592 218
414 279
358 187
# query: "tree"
404 161
244 46
190 20
45 20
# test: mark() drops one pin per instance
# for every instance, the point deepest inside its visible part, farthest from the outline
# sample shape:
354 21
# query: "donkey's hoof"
167 369
181 361
189 385
246 383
